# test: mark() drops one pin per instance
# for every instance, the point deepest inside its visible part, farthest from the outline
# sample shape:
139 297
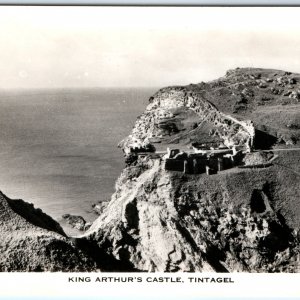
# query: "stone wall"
174 165
198 165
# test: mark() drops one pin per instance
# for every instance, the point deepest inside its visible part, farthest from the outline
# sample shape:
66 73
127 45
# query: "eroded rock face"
149 124
267 97
167 222
32 241
237 220
77 222
245 220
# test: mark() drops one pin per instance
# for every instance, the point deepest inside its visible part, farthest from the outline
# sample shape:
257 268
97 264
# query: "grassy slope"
270 98
280 184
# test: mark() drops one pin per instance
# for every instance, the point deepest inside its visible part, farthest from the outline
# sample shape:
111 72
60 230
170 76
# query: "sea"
58 147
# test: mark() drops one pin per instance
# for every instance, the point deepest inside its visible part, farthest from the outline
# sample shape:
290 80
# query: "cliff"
242 217
221 110
158 121
232 221
32 241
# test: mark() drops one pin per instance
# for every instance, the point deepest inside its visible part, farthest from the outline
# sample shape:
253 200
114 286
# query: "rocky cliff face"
32 241
236 220
232 221
269 98
167 101
240 219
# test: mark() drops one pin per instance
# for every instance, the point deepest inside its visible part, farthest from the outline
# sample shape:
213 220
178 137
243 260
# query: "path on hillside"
225 150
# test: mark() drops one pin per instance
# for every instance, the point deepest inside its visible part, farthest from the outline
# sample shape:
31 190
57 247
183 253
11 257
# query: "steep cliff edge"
237 220
220 110
32 241
240 219
158 121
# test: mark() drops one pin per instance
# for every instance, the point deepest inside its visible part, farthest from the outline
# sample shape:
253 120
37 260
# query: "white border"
58 285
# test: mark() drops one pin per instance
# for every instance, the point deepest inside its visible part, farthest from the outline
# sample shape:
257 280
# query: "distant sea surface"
58 148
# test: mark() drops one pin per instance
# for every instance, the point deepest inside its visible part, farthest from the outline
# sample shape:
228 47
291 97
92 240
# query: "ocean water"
58 148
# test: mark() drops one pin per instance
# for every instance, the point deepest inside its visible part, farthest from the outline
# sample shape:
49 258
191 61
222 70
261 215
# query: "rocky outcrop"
222 108
77 222
238 220
32 241
232 221
161 107
99 207
242 219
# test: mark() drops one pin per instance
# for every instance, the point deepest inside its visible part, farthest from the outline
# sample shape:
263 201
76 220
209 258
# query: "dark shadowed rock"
241 220
76 222
32 241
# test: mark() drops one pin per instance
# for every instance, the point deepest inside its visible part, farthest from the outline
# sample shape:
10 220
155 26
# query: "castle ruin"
198 163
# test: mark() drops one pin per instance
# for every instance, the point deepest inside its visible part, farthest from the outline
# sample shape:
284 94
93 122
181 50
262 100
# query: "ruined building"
198 163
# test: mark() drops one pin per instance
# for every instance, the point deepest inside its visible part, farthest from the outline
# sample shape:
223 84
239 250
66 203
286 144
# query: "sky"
54 47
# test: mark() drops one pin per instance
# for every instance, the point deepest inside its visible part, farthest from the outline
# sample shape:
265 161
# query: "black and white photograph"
149 139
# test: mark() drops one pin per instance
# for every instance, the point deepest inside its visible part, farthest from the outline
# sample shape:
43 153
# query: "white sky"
136 46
